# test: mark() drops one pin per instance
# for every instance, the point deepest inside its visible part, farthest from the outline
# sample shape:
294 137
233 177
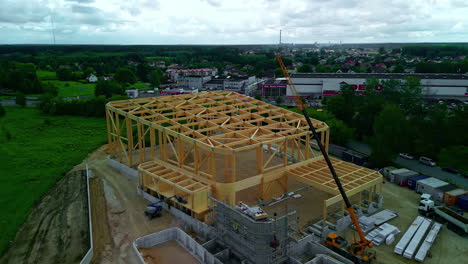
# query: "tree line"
397 119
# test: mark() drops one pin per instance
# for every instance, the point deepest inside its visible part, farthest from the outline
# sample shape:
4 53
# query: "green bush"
20 99
94 106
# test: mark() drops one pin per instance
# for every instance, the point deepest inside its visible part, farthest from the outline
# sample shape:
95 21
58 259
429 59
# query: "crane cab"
336 241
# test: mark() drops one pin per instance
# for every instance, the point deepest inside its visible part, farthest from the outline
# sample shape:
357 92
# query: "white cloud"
232 22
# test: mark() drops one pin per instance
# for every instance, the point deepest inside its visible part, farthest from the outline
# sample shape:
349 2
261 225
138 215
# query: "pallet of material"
380 234
404 241
417 238
427 244
383 216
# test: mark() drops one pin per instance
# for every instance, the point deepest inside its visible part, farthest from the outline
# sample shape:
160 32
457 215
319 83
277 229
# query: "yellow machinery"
357 250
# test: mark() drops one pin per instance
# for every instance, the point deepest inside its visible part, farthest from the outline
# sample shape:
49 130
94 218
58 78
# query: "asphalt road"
414 165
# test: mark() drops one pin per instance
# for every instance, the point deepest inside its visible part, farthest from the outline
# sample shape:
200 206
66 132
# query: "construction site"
220 177
221 150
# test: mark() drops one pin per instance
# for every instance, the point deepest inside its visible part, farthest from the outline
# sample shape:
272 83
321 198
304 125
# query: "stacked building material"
405 240
383 216
367 223
417 238
379 235
424 249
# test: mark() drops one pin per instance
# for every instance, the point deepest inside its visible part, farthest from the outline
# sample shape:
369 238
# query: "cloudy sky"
232 21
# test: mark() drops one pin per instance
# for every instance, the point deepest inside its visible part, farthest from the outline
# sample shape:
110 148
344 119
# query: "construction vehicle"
456 221
154 210
358 250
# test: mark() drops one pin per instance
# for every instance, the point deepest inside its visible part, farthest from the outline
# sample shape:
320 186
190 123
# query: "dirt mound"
57 229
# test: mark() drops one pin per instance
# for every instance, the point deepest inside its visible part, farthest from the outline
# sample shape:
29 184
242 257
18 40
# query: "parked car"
427 161
406 156
450 170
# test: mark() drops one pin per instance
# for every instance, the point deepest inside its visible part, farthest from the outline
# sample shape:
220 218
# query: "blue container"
414 180
462 202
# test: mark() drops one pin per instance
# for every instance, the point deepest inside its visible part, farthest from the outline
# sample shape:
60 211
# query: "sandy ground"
56 230
448 247
168 253
118 213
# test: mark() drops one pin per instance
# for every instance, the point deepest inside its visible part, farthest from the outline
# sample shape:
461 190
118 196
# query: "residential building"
92 78
192 81
174 74
234 84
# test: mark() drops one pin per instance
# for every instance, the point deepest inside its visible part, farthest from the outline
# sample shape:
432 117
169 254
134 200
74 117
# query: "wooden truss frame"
201 140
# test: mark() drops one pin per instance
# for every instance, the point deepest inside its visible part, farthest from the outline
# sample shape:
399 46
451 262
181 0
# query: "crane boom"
363 243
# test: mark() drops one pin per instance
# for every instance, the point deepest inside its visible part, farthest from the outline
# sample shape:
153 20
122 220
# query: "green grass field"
139 85
35 151
46 75
73 88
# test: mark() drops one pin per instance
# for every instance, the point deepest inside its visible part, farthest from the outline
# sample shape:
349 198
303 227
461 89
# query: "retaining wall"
89 255
197 250
124 169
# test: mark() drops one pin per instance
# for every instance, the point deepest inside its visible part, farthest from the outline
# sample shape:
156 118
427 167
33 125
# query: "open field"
139 85
71 88
57 229
41 149
46 75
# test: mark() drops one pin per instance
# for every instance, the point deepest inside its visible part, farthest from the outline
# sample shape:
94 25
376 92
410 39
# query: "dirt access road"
56 230
118 213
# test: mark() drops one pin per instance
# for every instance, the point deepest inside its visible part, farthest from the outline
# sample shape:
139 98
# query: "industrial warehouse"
317 85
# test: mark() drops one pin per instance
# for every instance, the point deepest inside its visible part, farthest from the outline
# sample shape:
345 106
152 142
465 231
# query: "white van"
427 161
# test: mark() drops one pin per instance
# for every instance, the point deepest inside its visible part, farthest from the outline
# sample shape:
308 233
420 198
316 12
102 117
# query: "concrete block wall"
197 250
297 248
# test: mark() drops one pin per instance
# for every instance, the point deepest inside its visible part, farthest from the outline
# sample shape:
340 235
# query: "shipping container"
413 180
401 176
386 171
440 192
450 198
429 186
354 157
462 202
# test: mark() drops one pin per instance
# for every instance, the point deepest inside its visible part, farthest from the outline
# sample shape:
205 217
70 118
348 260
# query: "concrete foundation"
195 249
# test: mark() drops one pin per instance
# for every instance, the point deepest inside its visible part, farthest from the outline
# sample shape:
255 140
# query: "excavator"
358 250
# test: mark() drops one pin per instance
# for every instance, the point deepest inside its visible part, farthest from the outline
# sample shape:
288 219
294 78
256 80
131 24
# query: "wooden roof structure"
220 119
223 144
353 178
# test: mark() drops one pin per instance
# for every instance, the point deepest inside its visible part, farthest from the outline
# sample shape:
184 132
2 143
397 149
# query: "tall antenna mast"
53 27
51 11
280 37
